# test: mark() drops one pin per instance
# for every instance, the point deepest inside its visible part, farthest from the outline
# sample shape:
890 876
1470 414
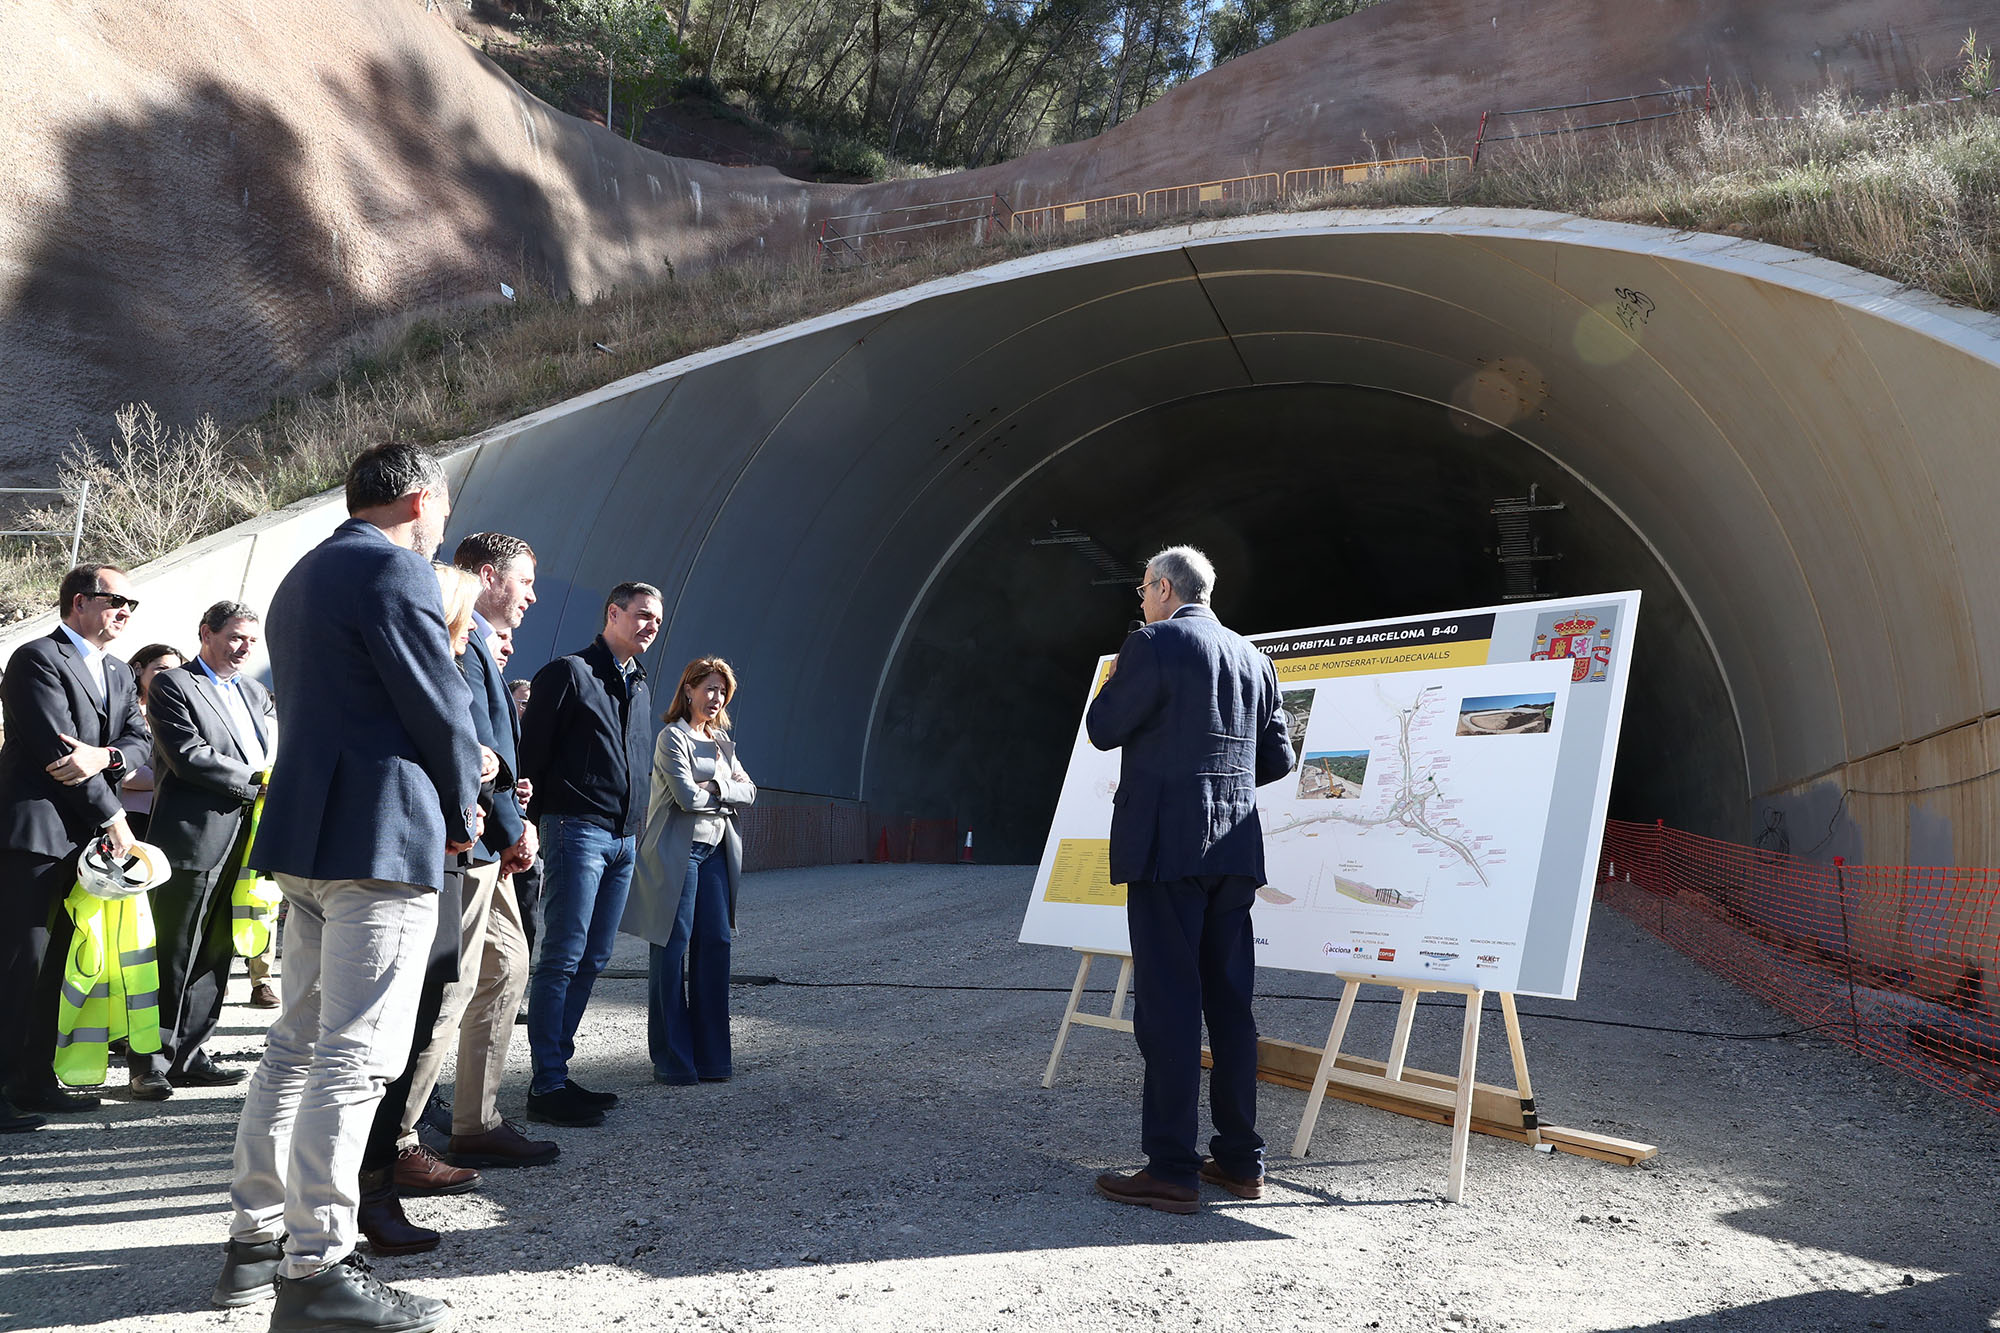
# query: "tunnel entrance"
1319 504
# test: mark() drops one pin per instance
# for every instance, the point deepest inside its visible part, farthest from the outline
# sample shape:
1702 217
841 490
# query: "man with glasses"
1193 709
73 729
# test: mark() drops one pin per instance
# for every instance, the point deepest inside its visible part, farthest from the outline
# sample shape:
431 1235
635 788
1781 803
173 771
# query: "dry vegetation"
1909 192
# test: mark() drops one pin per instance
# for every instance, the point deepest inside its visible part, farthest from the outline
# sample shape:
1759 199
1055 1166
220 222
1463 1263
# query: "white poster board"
1444 816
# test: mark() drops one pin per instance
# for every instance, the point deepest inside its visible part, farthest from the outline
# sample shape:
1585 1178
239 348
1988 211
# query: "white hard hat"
103 877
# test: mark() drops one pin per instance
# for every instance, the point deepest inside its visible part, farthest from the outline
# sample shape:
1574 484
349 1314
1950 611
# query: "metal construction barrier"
1051 217
1320 180
74 532
1236 191
1901 963
850 237
1239 190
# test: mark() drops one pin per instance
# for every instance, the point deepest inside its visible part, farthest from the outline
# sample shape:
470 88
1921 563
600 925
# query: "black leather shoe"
54 1100
603 1101
151 1086
202 1072
563 1107
347 1296
249 1272
382 1221
18 1122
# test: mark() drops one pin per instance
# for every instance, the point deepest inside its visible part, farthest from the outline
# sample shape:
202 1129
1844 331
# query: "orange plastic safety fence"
905 840
1902 963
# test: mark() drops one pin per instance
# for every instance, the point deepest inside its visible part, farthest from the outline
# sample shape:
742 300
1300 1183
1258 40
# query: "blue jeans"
687 1007
586 873
1194 957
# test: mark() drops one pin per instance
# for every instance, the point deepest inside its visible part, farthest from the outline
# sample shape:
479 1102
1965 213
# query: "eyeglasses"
117 601
1141 589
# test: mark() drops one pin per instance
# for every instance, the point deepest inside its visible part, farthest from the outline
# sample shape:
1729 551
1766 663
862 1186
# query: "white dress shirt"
239 714
93 659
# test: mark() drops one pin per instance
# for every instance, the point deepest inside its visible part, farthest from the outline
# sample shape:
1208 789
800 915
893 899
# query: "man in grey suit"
73 729
377 781
1194 708
214 730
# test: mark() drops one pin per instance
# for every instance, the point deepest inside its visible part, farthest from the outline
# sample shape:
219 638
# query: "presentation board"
1445 810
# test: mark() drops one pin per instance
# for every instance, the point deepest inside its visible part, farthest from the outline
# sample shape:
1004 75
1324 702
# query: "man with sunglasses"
73 728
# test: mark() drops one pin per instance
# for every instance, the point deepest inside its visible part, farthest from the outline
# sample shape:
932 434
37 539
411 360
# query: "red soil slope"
202 202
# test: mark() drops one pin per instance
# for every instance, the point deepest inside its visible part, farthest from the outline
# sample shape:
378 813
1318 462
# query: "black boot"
13 1121
382 1220
249 1272
347 1296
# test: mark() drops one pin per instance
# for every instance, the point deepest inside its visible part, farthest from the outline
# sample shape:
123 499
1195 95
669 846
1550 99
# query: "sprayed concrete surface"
885 1158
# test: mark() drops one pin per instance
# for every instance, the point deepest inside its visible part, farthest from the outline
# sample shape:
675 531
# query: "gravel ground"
886 1158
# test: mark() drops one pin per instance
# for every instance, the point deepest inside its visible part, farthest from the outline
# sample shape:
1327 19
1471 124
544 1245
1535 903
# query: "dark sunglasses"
117 601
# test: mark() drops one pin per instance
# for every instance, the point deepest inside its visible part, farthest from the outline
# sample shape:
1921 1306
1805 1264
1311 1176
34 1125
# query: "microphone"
1134 626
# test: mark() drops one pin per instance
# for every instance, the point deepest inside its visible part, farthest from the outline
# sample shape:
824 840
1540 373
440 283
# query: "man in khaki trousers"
480 1137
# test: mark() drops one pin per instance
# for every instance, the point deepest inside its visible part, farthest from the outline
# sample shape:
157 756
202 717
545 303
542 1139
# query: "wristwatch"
114 768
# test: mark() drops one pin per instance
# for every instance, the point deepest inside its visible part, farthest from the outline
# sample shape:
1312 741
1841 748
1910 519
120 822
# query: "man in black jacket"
587 746
1194 708
214 730
73 728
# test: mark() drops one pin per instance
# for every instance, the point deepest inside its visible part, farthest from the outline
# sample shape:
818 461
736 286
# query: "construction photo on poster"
1444 815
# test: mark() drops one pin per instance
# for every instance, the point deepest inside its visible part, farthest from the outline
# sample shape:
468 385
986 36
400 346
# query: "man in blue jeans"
587 747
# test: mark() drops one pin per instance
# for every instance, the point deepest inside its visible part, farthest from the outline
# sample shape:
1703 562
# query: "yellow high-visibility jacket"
110 988
253 903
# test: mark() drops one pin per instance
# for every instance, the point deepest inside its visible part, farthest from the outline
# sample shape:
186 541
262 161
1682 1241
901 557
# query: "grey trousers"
487 1029
354 962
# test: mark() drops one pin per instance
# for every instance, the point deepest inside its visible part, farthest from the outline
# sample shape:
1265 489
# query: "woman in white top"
683 898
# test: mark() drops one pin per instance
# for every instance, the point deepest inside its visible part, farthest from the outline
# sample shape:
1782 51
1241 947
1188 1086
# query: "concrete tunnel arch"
1789 455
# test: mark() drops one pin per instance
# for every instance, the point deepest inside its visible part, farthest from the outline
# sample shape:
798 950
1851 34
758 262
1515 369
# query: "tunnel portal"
1783 453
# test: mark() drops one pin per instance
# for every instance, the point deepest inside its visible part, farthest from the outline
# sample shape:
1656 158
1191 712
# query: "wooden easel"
1458 1097
1458 1101
1072 1017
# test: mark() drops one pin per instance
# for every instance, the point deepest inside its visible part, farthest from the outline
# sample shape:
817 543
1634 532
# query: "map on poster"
1444 812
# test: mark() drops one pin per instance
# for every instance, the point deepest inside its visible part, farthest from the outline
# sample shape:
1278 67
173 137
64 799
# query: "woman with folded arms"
683 898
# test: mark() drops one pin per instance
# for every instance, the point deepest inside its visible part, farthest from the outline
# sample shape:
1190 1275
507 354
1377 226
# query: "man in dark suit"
73 729
214 730
1194 707
376 783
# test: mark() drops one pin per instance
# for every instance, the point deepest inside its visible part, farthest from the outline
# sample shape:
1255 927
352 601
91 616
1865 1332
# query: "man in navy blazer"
73 728
1194 708
377 781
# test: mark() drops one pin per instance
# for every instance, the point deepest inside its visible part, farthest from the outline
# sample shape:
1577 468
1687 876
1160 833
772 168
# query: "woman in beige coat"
683 898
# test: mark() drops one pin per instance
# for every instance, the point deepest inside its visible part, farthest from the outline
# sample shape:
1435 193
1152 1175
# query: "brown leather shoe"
1252 1188
503 1145
1141 1189
262 996
382 1220
419 1171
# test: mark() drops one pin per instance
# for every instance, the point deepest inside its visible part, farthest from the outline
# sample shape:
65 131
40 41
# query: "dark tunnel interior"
1319 504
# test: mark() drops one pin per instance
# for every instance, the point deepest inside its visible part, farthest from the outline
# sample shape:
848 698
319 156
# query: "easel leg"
1399 1048
1123 988
1461 1115
1327 1059
1069 1013
1529 1120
